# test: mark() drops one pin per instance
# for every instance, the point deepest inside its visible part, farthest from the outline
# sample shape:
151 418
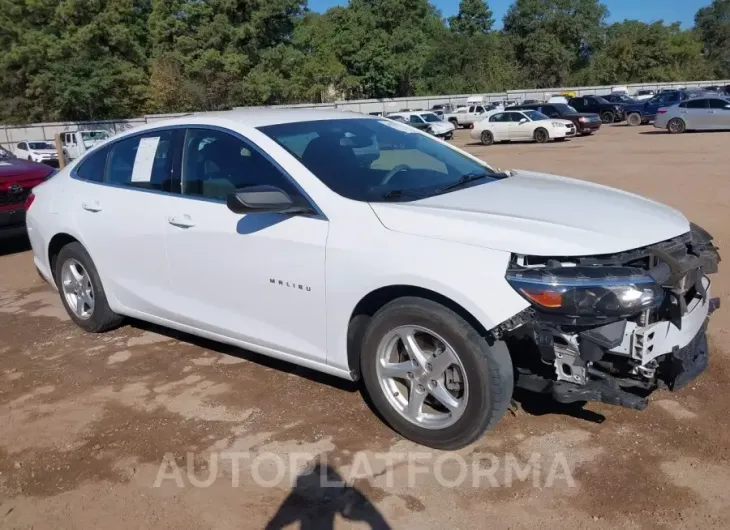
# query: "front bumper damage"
621 361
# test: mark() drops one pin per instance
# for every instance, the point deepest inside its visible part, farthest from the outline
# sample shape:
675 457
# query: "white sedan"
364 248
525 125
36 151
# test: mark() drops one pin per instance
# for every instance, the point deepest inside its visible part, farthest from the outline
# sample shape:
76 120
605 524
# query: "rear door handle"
181 221
93 206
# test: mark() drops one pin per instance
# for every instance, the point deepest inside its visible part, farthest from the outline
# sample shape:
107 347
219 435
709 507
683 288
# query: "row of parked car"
568 115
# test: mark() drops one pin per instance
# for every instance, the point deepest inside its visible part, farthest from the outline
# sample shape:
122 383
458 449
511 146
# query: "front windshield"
377 160
535 115
40 145
563 109
430 117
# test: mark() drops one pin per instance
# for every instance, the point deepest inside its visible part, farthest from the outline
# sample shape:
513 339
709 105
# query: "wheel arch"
378 298
57 242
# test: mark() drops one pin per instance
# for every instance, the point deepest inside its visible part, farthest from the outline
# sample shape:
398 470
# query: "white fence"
12 134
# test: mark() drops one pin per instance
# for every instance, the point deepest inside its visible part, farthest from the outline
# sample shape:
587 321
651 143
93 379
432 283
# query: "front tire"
82 293
607 117
487 137
433 378
541 135
676 126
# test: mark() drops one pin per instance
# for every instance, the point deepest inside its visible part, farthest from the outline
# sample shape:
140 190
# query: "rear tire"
92 313
477 382
634 119
607 117
487 137
541 135
676 126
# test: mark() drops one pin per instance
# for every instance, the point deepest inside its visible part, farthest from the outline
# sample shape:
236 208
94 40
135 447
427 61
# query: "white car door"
21 150
69 144
499 125
120 210
521 130
257 278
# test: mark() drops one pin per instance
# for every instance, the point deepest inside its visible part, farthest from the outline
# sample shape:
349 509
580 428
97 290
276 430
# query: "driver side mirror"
263 199
523 120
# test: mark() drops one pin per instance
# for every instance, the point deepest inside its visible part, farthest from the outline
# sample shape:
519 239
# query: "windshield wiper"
400 194
464 180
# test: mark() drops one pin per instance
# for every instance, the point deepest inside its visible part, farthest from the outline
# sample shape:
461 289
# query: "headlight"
558 124
587 291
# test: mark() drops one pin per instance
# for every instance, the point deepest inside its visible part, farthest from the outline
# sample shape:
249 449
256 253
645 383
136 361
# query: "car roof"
251 117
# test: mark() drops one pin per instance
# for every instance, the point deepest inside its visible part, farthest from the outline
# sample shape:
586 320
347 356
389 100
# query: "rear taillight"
661 111
29 201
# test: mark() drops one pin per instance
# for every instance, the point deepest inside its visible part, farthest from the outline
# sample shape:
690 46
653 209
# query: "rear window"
92 167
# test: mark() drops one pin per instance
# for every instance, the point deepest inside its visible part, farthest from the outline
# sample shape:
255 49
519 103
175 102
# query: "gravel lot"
86 420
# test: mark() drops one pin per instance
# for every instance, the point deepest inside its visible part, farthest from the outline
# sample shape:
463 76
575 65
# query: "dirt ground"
95 430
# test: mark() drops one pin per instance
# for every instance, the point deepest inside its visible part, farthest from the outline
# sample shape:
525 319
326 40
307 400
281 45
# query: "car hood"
538 214
44 151
15 170
443 126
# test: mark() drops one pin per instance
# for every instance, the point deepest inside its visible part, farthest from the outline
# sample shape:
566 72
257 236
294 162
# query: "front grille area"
7 198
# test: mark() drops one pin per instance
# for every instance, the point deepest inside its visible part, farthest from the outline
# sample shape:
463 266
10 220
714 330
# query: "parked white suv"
36 151
438 281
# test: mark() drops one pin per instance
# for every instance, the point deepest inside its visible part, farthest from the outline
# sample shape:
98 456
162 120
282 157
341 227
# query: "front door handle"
92 206
181 221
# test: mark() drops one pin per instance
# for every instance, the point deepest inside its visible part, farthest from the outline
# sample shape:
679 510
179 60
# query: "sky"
646 10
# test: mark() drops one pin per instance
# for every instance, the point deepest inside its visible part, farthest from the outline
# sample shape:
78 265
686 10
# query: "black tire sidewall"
605 119
489 137
102 317
489 380
544 132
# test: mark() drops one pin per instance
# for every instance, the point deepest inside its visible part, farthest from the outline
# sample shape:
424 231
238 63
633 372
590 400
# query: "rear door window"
143 162
93 166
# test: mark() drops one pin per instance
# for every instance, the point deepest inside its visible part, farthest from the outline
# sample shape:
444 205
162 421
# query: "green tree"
474 17
73 59
554 38
713 26
640 52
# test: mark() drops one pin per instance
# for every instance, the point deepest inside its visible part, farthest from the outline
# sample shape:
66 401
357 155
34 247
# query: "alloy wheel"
422 377
77 289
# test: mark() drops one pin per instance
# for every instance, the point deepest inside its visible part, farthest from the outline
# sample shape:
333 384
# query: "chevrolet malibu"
363 248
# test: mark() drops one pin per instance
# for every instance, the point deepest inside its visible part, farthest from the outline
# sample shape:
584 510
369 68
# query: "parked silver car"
698 114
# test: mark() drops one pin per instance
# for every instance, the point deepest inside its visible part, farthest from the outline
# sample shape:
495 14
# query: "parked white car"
644 94
522 125
36 151
435 279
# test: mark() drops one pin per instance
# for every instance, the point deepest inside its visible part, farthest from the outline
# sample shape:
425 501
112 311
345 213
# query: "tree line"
108 59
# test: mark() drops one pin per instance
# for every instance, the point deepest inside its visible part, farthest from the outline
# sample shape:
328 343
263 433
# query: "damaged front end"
613 328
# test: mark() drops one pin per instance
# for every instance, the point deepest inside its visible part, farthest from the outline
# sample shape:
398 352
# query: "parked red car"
17 179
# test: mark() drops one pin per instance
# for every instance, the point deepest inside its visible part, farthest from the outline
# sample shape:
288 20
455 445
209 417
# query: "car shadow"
537 404
240 353
13 244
